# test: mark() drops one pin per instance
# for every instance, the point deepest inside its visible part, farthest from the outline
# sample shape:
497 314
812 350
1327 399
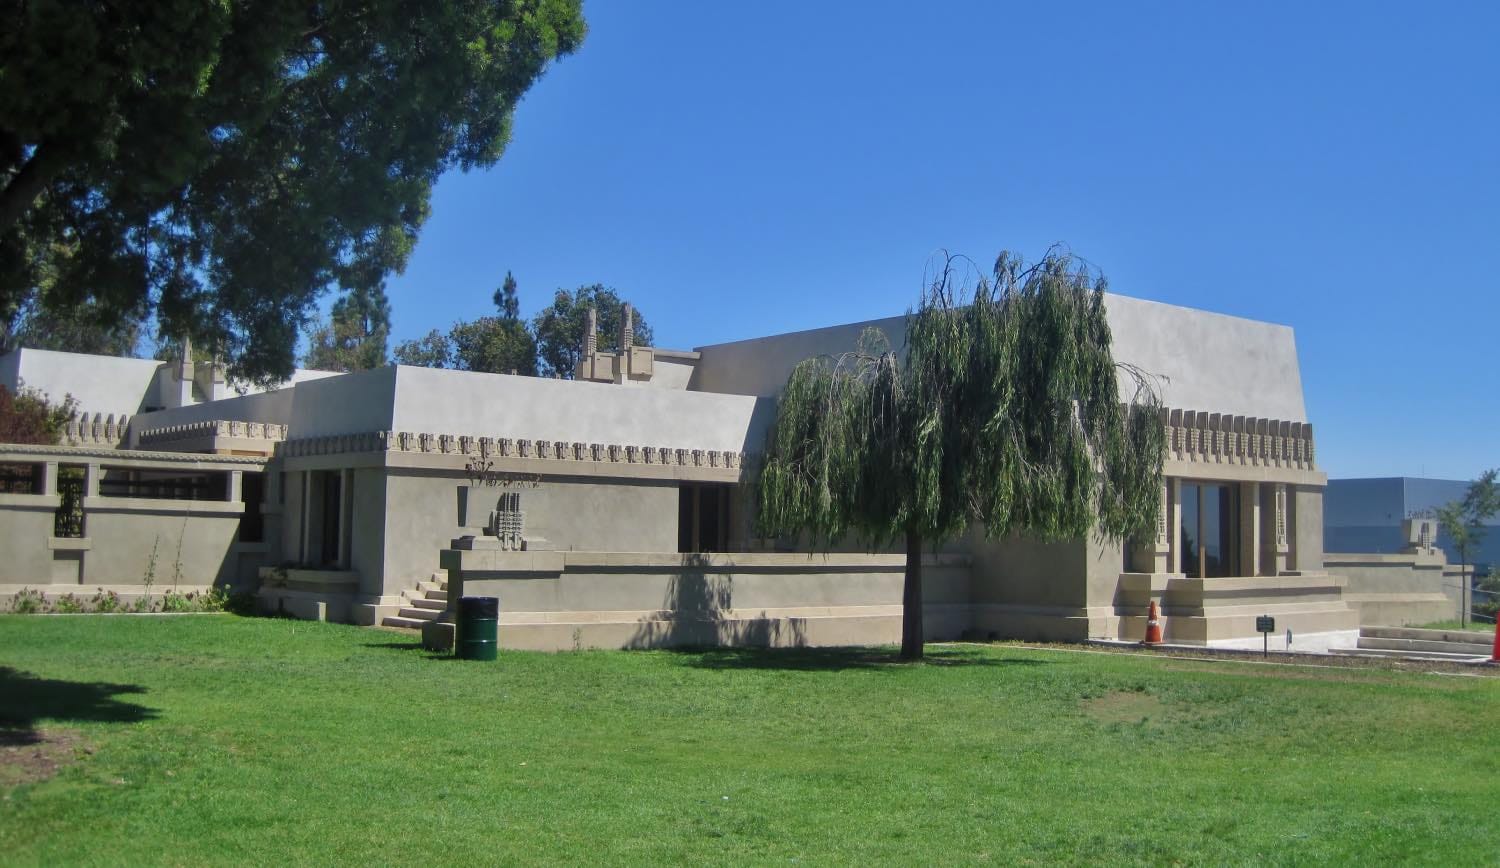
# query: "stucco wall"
1307 547
496 405
1397 590
421 518
274 407
1210 362
349 404
101 384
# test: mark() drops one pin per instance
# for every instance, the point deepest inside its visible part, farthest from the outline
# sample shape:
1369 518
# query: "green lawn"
1473 626
217 739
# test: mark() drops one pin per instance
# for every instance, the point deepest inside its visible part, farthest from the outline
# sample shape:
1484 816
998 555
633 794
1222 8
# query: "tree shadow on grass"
837 659
26 699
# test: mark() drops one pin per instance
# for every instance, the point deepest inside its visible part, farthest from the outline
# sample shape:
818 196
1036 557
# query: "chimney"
591 333
627 328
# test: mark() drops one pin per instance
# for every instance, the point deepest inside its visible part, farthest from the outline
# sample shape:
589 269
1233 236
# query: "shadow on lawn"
836 659
26 699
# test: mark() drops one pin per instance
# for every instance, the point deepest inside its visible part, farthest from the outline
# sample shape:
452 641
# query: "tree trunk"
911 600
27 184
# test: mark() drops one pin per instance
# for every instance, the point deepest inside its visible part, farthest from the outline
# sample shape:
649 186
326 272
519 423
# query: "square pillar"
91 475
1174 527
49 478
236 486
1249 528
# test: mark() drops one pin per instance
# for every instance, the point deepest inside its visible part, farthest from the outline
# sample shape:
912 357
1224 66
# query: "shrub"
68 604
172 601
106 602
28 602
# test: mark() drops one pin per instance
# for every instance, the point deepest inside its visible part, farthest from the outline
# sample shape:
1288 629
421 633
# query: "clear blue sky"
747 169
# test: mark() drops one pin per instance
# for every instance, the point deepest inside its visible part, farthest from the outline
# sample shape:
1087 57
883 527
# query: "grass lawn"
216 739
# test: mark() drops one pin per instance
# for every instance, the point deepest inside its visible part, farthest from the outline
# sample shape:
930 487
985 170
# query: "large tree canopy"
222 164
1004 409
559 328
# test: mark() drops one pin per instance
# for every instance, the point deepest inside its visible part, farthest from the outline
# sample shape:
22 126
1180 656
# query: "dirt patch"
1124 706
27 757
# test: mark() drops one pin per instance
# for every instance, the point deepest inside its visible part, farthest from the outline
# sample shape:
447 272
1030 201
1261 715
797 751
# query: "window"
20 479
1210 529
164 484
252 521
702 517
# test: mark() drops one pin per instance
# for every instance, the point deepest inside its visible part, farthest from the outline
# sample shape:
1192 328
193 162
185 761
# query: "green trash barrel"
477 625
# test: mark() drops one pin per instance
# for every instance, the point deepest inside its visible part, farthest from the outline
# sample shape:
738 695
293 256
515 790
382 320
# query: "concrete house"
611 510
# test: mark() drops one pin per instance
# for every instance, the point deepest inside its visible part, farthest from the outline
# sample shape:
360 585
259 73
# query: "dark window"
702 517
68 521
252 521
332 495
1210 530
20 479
164 484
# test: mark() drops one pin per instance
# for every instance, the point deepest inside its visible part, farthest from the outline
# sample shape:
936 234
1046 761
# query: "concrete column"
91 474
49 478
1174 528
302 521
346 510
236 486
1280 532
1250 528
1161 551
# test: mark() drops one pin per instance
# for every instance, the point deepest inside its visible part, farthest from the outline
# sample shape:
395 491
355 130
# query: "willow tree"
1004 409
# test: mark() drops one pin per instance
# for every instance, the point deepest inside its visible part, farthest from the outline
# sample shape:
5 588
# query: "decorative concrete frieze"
1224 439
579 451
632 454
523 448
596 451
506 446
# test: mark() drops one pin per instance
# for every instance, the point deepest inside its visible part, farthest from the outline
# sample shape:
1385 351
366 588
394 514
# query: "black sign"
1265 624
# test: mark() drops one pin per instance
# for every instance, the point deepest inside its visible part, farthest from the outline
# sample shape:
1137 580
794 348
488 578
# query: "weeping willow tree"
1005 409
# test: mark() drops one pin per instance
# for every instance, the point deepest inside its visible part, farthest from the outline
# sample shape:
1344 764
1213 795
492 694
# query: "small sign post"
1265 625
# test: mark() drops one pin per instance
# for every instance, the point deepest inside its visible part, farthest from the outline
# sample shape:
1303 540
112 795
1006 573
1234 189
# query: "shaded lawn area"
223 739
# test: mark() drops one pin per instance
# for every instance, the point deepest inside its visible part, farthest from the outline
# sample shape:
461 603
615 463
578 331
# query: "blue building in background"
1364 515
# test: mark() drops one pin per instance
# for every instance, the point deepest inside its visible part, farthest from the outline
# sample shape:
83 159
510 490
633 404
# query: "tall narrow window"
702 517
1210 529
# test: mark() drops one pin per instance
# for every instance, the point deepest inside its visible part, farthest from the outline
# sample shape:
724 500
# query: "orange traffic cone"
1153 626
1495 656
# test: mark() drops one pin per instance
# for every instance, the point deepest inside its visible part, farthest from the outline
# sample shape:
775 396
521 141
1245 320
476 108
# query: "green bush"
172 601
28 602
106 602
68 604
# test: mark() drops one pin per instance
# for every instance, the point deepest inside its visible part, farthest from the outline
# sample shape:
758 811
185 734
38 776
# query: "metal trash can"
477 626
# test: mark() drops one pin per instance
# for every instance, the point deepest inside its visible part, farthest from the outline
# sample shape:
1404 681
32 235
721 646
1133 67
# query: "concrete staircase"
1410 643
421 604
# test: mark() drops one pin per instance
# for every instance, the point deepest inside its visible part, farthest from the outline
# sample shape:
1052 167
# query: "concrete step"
420 614
430 604
1436 656
436 595
425 587
1484 638
1422 645
408 623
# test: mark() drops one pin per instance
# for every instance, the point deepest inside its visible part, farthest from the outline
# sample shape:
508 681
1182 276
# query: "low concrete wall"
1400 589
1215 611
560 600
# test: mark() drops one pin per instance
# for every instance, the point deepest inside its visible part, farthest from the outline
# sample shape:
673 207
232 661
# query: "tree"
433 350
28 417
1464 520
222 165
1004 411
84 328
559 328
492 344
354 338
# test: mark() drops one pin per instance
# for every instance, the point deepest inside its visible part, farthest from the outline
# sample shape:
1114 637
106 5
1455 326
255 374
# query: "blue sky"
747 169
